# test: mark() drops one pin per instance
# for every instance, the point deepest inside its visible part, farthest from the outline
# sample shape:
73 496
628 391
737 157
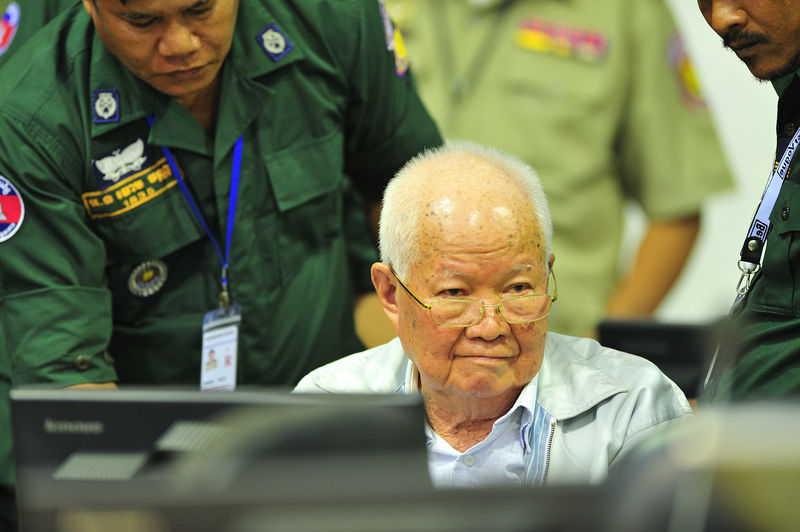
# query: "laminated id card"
220 342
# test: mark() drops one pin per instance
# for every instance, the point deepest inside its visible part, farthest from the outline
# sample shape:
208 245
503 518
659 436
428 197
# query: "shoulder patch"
12 210
8 26
686 76
274 42
105 106
394 42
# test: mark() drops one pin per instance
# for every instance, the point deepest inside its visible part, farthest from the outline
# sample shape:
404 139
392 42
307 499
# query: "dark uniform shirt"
109 273
768 349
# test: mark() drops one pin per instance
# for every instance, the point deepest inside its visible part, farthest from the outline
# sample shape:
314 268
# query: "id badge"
220 341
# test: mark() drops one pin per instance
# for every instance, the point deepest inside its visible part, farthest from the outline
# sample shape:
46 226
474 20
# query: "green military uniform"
769 325
109 273
599 97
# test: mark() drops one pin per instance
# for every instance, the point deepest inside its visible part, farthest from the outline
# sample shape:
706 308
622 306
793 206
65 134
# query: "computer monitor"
145 448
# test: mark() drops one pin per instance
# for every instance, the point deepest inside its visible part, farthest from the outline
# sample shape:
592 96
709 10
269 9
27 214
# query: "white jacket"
592 404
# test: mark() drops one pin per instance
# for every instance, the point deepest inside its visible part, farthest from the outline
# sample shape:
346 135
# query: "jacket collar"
569 383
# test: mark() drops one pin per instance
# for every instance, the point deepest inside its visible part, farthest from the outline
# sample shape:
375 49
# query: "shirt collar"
781 84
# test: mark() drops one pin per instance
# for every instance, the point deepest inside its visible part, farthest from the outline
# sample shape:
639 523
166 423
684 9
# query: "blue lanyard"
224 297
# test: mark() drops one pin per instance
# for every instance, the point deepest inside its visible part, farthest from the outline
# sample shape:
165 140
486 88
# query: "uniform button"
108 358
469 460
785 213
789 129
82 362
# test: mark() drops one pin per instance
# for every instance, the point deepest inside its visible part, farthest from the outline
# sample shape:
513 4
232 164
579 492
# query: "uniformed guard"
183 173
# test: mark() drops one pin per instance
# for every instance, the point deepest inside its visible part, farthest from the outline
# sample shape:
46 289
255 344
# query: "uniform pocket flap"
302 173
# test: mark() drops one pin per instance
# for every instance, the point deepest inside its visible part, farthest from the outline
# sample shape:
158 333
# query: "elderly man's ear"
384 282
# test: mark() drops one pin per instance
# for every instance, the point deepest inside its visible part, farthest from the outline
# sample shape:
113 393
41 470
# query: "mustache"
736 38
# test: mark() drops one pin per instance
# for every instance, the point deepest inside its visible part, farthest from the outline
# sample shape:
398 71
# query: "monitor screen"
145 447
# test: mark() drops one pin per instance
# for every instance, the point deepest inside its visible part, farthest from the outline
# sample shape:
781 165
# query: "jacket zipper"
547 451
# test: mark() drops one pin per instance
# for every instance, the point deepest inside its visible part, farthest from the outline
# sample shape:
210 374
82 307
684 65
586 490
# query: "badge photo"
12 210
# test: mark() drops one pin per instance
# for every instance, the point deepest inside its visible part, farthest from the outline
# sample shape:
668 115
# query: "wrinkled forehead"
465 192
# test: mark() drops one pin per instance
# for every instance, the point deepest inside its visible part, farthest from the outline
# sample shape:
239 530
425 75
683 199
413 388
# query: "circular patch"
12 210
8 26
147 278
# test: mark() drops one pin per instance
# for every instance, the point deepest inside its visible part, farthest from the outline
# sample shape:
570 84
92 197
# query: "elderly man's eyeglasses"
468 312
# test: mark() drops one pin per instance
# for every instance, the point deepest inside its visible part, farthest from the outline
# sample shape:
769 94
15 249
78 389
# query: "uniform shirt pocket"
307 183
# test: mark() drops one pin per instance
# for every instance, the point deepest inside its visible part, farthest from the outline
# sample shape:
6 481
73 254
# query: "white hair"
399 226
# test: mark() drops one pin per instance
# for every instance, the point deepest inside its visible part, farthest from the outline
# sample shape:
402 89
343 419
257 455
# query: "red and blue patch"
12 210
8 26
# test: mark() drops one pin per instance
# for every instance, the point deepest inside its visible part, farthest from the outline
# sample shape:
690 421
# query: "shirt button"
82 362
107 357
789 129
785 213
469 460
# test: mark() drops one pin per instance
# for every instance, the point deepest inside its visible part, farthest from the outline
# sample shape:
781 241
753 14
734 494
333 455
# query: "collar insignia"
12 210
8 26
274 42
105 106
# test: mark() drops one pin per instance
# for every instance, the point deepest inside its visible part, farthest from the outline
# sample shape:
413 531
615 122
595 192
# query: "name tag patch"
131 192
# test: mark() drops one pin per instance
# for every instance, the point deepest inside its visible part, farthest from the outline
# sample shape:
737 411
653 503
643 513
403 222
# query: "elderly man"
466 279
765 34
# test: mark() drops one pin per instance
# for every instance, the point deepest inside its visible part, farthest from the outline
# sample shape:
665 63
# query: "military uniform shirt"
110 272
598 97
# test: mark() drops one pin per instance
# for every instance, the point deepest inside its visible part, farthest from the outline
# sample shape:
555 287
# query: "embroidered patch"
564 40
274 42
12 210
8 26
131 192
388 27
147 278
119 163
105 106
401 62
394 43
687 77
